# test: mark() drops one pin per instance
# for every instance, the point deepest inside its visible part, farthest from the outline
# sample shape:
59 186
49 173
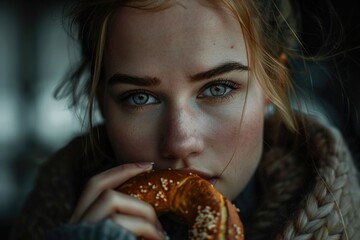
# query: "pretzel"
207 212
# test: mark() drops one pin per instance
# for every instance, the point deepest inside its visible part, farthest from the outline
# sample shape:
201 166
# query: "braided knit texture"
311 193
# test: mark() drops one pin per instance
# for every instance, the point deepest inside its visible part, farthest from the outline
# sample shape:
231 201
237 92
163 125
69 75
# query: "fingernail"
145 165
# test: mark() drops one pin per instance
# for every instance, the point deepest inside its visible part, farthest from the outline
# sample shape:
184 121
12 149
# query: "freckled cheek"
224 135
244 138
250 137
251 133
249 146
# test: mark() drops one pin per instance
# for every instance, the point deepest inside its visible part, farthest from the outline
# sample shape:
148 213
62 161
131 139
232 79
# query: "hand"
99 201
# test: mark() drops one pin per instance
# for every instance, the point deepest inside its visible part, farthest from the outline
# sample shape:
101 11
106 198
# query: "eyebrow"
134 80
153 81
219 70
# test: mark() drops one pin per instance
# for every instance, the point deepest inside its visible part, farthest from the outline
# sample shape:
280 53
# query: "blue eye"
139 99
219 89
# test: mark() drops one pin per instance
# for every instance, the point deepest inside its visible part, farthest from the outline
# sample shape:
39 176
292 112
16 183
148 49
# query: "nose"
181 136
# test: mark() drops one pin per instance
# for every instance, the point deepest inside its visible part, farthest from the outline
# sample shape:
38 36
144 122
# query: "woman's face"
177 93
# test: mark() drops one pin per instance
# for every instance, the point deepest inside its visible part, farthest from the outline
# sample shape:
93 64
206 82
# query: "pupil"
218 90
140 99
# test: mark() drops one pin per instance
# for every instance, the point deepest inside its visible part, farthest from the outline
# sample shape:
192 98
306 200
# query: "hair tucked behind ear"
270 30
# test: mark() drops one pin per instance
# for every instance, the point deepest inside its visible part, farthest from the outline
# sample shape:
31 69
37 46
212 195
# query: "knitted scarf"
307 192
308 187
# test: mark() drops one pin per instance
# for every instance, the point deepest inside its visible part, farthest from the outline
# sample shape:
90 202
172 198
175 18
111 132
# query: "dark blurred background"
35 53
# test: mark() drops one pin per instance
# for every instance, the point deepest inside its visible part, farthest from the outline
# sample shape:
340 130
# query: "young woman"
188 84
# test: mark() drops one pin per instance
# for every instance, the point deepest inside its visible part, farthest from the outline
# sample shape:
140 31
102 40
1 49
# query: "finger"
138 226
111 201
106 180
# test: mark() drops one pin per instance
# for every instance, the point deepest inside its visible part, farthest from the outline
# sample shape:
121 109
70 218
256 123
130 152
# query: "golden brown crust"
209 214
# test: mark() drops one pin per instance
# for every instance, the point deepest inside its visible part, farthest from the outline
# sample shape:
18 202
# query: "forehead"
192 29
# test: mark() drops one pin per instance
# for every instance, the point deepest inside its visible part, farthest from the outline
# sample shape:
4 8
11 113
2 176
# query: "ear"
282 78
283 59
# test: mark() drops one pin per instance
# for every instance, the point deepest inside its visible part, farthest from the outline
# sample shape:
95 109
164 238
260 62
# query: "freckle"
232 46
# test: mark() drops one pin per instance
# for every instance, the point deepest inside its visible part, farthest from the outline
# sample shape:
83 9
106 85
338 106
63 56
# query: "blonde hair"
269 28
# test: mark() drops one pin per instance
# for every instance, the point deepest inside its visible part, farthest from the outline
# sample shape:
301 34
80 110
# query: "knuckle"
146 208
94 182
113 217
152 213
145 227
107 194
141 227
101 180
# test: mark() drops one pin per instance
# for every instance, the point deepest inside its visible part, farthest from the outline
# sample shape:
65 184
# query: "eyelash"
221 82
127 95
123 98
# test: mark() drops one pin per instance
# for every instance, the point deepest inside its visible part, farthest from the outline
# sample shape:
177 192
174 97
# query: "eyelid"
224 81
127 94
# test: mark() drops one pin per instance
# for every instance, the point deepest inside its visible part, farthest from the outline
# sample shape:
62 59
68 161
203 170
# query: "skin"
173 116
